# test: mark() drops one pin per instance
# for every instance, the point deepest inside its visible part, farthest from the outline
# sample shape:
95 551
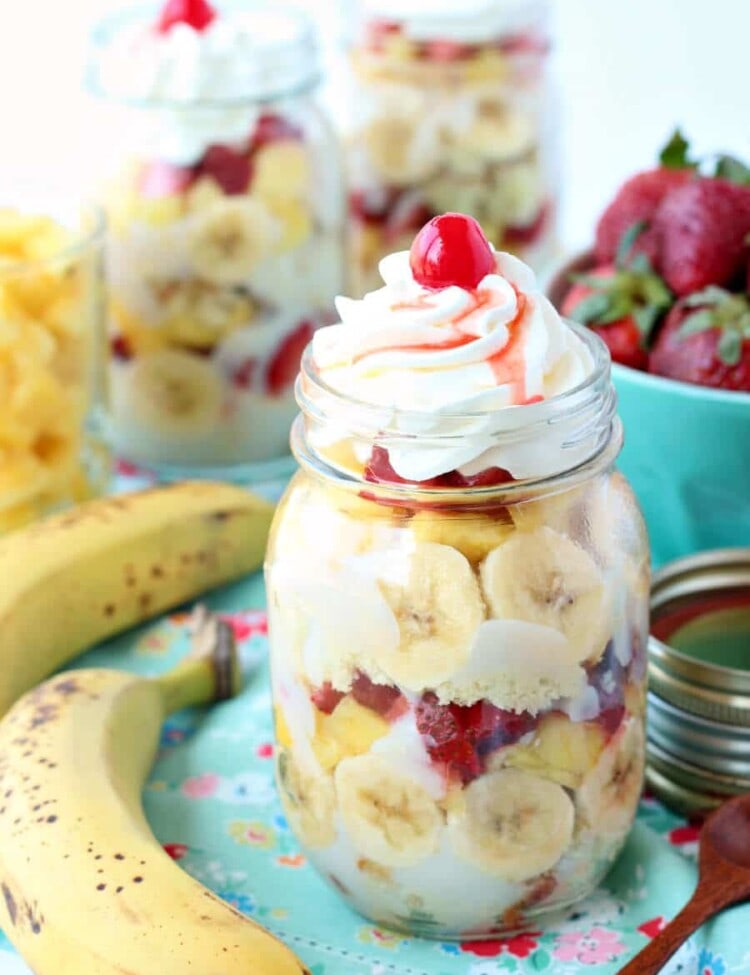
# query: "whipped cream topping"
198 88
468 22
447 364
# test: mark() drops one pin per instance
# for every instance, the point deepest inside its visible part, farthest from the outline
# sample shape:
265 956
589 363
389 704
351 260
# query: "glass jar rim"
303 50
83 239
582 418
511 16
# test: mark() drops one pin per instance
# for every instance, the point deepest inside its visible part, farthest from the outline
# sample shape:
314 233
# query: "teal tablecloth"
212 803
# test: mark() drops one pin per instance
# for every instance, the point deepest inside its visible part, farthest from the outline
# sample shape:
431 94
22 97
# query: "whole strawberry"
706 340
703 228
622 302
637 202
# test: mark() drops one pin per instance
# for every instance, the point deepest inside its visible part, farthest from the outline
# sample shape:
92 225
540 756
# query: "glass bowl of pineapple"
52 449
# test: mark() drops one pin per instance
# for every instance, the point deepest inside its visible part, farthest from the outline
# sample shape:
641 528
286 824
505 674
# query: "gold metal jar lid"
686 788
699 651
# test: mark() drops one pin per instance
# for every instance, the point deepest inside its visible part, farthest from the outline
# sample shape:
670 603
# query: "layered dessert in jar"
51 340
458 600
451 109
226 212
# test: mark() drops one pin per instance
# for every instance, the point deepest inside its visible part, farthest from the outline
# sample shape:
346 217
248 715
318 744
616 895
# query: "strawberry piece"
462 736
703 228
445 739
197 14
377 33
637 202
284 364
407 212
159 179
451 250
381 698
120 348
623 304
517 236
274 128
326 698
227 167
379 470
706 340
445 51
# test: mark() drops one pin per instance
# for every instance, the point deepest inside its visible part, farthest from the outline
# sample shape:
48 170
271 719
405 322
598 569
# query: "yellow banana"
82 575
85 887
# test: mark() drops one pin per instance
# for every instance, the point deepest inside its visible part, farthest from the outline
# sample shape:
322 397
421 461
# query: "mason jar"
225 249
452 107
51 355
459 664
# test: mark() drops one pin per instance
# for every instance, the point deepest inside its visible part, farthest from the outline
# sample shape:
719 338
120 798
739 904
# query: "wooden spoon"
723 880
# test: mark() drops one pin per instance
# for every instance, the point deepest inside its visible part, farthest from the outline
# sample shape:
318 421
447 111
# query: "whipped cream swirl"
446 365
470 22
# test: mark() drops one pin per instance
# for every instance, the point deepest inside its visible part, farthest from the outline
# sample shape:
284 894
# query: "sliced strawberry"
274 128
517 236
623 304
703 228
382 698
159 179
406 213
445 51
284 365
228 167
377 33
197 14
706 340
451 250
379 470
326 698
637 202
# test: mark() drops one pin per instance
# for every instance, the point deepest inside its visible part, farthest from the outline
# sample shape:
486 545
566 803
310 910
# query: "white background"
629 69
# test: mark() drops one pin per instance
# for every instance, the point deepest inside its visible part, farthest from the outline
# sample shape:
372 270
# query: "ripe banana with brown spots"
85 887
87 573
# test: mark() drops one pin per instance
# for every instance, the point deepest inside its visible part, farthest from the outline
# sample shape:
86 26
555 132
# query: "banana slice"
545 577
498 134
402 150
434 596
389 817
175 393
282 170
514 825
229 238
608 799
474 536
309 801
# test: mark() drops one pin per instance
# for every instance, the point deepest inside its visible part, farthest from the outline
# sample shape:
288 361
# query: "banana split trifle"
458 596
226 227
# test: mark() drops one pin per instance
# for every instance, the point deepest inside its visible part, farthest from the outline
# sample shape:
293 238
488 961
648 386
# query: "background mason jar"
51 354
444 117
225 253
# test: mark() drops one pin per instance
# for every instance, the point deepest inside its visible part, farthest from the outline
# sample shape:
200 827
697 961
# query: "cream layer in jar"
226 217
457 624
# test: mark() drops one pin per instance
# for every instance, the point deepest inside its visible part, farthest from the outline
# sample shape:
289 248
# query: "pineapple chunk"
561 750
282 169
350 730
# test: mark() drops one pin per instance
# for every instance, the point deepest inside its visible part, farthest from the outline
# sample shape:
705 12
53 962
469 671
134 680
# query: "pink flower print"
247 625
124 468
590 948
201 786
176 850
265 750
653 927
520 946
252 833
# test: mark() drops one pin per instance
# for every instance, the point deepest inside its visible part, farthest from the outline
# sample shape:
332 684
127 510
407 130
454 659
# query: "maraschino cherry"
451 250
197 14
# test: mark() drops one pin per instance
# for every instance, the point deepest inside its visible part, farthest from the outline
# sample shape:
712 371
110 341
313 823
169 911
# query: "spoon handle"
703 905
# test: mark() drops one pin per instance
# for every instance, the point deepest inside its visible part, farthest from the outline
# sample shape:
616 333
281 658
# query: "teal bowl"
686 454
